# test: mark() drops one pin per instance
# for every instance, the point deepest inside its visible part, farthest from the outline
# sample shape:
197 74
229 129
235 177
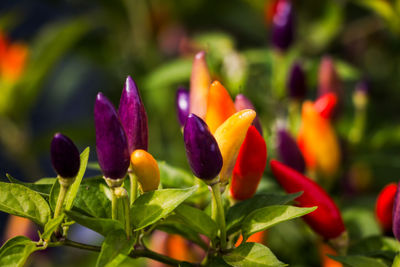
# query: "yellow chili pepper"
146 170
219 106
320 139
199 85
230 136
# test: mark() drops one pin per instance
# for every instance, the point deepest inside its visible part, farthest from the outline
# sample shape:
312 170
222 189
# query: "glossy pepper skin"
318 142
111 141
326 104
200 81
133 116
283 25
242 102
396 214
202 150
326 220
297 82
289 152
250 165
64 156
230 136
219 106
146 170
182 105
384 206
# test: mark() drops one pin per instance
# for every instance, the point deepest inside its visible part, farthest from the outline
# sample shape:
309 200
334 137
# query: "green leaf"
16 251
172 177
99 225
153 206
376 246
239 211
264 218
358 261
73 189
114 245
198 220
19 200
252 254
51 226
42 186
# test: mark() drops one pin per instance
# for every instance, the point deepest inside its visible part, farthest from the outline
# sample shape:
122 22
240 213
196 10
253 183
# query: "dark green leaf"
264 218
51 226
16 251
42 186
198 220
376 246
252 254
238 212
358 261
153 206
99 225
172 177
19 200
114 245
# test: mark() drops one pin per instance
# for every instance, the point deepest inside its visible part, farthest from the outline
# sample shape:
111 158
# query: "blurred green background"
78 48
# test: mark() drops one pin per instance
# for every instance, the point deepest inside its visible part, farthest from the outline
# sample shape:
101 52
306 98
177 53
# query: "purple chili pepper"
242 102
396 214
297 82
289 152
64 156
202 149
182 105
133 116
111 141
283 25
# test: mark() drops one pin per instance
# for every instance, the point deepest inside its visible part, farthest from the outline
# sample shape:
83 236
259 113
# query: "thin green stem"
127 215
114 206
220 213
138 253
60 200
134 186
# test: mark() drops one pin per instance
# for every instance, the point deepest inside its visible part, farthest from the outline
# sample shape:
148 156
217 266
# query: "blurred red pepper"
324 251
384 207
326 220
250 165
326 104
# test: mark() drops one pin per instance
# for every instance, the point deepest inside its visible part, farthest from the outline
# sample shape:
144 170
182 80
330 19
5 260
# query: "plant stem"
60 200
134 254
127 216
114 206
134 186
220 213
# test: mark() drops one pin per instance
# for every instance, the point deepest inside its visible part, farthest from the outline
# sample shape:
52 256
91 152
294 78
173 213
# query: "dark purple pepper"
396 214
242 102
64 156
182 105
297 82
202 149
282 25
133 116
111 141
289 152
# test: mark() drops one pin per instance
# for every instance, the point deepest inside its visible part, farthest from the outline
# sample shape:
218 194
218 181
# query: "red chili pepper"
250 165
326 219
326 105
384 206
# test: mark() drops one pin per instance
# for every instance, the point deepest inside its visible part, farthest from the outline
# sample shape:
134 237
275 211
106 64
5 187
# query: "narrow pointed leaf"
153 206
42 186
264 218
51 226
252 254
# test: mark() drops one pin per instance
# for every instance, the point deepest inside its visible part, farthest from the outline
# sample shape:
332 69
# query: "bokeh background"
64 52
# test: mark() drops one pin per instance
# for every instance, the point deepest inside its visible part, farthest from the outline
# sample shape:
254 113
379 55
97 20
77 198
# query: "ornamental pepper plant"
193 133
